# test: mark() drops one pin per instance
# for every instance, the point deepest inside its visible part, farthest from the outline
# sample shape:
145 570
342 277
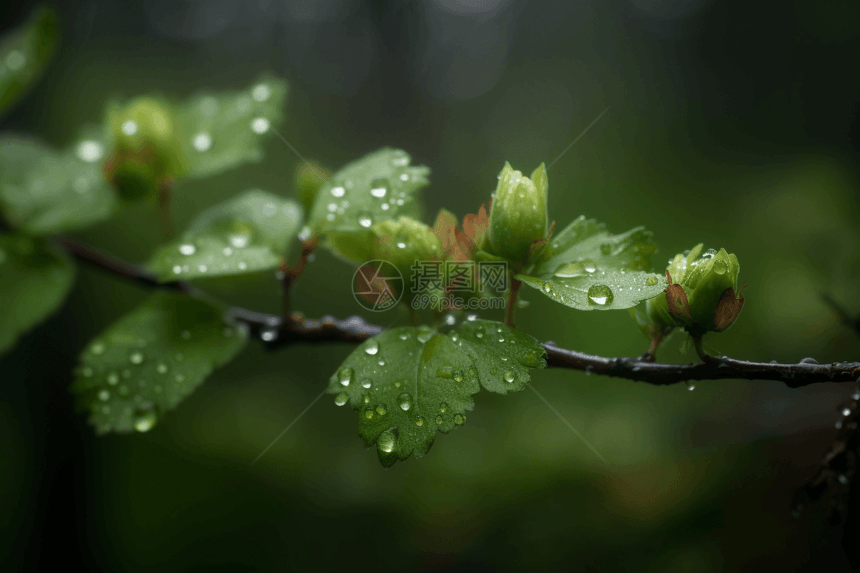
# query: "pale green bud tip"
519 215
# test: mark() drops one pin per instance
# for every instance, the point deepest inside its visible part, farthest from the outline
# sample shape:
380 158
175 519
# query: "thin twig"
279 331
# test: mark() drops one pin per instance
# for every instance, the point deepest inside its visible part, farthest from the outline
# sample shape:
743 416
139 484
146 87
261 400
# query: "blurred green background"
729 123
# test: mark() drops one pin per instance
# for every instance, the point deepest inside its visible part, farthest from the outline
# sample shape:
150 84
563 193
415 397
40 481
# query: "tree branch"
276 332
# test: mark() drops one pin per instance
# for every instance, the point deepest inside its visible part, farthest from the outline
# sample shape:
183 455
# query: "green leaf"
408 383
24 54
587 268
378 187
224 130
34 280
249 233
43 191
148 361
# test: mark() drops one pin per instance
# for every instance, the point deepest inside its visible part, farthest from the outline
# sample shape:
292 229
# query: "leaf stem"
291 275
163 208
511 308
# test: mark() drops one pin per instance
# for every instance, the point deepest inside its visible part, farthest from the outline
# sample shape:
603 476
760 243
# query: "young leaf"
586 268
34 281
223 131
408 383
246 234
43 191
24 54
377 187
151 359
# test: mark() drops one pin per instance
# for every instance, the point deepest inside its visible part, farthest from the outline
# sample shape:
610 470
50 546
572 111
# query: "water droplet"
381 361
345 376
381 409
379 188
843 479
161 368
424 336
242 266
386 442
341 399
571 270
365 220
136 357
397 384
372 347
692 387
129 127
443 407
509 376
113 378
438 420
547 288
846 411
261 92
404 401
472 317
145 419
97 348
721 267
239 240
368 413
855 396
202 142
337 191
366 383
187 249
365 399
104 395
259 125
459 419
651 281
457 376
600 295
419 421
403 336
809 360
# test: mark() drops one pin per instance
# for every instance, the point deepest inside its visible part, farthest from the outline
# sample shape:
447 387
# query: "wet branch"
279 331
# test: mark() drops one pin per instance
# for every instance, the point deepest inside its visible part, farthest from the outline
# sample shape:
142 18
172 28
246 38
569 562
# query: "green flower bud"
404 241
703 293
518 215
145 132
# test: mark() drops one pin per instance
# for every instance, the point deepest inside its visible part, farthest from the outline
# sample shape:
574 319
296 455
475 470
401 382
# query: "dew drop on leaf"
721 267
443 407
381 409
439 420
404 401
651 281
419 421
459 419
368 413
145 419
386 442
509 376
345 376
341 399
366 383
600 295
136 357
372 347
